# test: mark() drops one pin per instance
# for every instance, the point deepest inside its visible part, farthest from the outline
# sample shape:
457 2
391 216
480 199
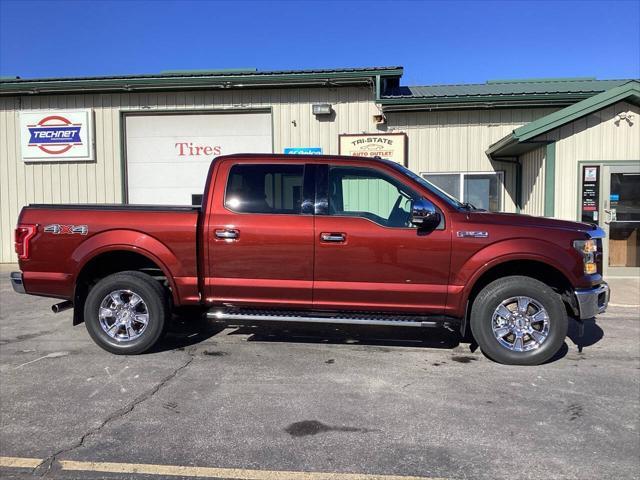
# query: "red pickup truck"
325 239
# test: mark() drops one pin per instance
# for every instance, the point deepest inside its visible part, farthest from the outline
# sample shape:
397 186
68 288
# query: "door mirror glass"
424 214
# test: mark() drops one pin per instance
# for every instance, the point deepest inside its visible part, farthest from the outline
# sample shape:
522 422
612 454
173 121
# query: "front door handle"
333 237
227 233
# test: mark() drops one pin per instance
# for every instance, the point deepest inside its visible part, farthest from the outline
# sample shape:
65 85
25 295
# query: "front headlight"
588 249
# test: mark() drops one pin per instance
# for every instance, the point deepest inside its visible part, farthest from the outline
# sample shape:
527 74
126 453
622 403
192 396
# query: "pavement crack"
46 465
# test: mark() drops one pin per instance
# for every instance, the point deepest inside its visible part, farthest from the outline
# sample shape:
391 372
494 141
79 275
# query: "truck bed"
70 235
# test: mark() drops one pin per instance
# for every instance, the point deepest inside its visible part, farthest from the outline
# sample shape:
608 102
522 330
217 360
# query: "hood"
517 219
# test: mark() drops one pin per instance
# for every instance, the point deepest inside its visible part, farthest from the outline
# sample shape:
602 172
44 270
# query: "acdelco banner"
56 135
389 146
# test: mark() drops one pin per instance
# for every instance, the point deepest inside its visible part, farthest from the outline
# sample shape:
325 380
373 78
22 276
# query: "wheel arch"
111 259
537 268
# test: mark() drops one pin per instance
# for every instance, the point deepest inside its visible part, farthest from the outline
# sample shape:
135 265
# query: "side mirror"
424 214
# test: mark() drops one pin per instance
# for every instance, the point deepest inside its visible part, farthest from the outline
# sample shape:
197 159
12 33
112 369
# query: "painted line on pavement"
200 472
18 462
623 305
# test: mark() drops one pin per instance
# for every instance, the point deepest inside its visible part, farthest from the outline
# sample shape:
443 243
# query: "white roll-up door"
168 155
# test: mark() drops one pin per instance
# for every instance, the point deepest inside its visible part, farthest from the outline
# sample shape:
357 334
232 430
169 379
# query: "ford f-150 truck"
324 239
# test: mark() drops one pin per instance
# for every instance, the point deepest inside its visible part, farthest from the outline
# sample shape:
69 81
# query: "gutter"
127 84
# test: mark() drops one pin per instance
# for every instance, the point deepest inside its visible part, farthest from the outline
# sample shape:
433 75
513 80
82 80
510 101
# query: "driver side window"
368 193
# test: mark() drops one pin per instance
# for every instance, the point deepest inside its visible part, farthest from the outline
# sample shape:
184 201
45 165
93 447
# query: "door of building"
621 219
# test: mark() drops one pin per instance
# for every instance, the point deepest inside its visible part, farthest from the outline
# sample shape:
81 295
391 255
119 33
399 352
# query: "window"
482 190
367 193
275 189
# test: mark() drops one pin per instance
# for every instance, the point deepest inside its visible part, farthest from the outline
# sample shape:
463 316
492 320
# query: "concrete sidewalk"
625 291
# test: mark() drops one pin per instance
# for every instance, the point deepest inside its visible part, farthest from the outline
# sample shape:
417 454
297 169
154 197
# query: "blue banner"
303 151
53 135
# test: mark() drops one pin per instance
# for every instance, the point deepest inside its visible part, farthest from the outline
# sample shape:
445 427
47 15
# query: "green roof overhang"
200 80
481 101
523 139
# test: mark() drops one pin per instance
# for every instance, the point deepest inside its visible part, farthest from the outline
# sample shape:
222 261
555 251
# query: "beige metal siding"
294 125
456 141
596 137
533 166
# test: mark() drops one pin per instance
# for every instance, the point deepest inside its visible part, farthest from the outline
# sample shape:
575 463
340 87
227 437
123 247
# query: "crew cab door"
368 256
259 248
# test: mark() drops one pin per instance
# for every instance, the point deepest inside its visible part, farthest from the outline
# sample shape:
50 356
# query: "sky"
435 41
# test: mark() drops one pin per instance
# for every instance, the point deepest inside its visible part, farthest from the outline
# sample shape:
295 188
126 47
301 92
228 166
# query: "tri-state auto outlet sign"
56 135
389 146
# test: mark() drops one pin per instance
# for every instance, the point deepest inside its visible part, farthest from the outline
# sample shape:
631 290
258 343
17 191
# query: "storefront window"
482 190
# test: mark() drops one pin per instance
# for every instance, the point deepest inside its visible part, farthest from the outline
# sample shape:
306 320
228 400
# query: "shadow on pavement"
190 327
591 334
353 335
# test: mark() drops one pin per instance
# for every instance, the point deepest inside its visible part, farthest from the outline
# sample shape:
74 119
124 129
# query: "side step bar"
385 319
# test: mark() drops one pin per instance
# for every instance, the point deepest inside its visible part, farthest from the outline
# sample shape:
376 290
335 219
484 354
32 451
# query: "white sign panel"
389 146
168 156
56 135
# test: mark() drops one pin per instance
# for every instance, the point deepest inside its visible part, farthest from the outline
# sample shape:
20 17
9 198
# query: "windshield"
428 185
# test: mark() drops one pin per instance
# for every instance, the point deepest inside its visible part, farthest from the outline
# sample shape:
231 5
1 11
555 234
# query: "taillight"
23 235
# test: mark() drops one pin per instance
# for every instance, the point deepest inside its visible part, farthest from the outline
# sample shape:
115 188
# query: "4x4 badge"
58 229
473 234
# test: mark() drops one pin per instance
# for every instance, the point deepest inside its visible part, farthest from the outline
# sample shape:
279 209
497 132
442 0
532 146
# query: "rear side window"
275 189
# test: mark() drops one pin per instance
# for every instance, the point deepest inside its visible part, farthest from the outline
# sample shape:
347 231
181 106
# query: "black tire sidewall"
153 296
495 293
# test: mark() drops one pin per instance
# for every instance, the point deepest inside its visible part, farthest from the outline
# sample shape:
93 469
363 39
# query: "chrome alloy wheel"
123 315
520 324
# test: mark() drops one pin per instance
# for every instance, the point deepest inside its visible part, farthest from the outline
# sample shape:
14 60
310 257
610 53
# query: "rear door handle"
333 237
227 233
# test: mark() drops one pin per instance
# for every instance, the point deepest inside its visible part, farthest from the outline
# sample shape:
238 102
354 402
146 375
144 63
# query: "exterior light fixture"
322 109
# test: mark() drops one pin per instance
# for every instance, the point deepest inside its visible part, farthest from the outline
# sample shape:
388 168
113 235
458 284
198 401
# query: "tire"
532 334
113 302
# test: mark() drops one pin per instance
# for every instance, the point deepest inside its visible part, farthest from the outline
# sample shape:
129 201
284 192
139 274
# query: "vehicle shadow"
187 327
191 327
352 335
590 335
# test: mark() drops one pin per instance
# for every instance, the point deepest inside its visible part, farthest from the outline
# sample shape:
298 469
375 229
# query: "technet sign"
56 135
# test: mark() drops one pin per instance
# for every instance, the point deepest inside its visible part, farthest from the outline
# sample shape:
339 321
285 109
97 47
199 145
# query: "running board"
344 318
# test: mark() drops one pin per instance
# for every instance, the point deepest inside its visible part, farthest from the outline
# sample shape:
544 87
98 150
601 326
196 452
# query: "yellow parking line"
208 472
235 473
18 462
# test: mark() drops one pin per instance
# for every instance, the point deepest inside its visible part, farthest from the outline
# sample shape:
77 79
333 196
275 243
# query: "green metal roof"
181 80
531 92
516 142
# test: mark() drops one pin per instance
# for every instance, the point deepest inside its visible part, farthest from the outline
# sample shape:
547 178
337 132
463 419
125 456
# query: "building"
564 148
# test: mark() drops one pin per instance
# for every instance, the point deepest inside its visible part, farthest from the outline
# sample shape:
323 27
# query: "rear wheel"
126 313
519 321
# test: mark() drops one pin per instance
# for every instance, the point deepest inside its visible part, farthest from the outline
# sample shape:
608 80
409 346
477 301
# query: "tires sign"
56 135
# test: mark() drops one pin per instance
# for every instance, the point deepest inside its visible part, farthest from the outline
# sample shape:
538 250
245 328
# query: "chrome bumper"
592 301
16 282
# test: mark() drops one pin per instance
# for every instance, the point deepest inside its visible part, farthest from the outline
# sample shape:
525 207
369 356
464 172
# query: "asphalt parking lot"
311 404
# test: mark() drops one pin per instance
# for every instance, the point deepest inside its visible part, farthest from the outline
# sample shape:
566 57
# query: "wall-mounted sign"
590 194
56 135
390 146
303 150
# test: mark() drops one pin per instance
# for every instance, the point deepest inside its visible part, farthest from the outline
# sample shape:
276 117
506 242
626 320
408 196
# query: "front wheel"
126 313
519 321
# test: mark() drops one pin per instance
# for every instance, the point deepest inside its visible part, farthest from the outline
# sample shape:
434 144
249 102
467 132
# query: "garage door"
168 156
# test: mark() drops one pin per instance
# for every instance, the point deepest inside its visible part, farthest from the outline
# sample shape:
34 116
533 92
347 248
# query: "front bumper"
592 301
16 282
